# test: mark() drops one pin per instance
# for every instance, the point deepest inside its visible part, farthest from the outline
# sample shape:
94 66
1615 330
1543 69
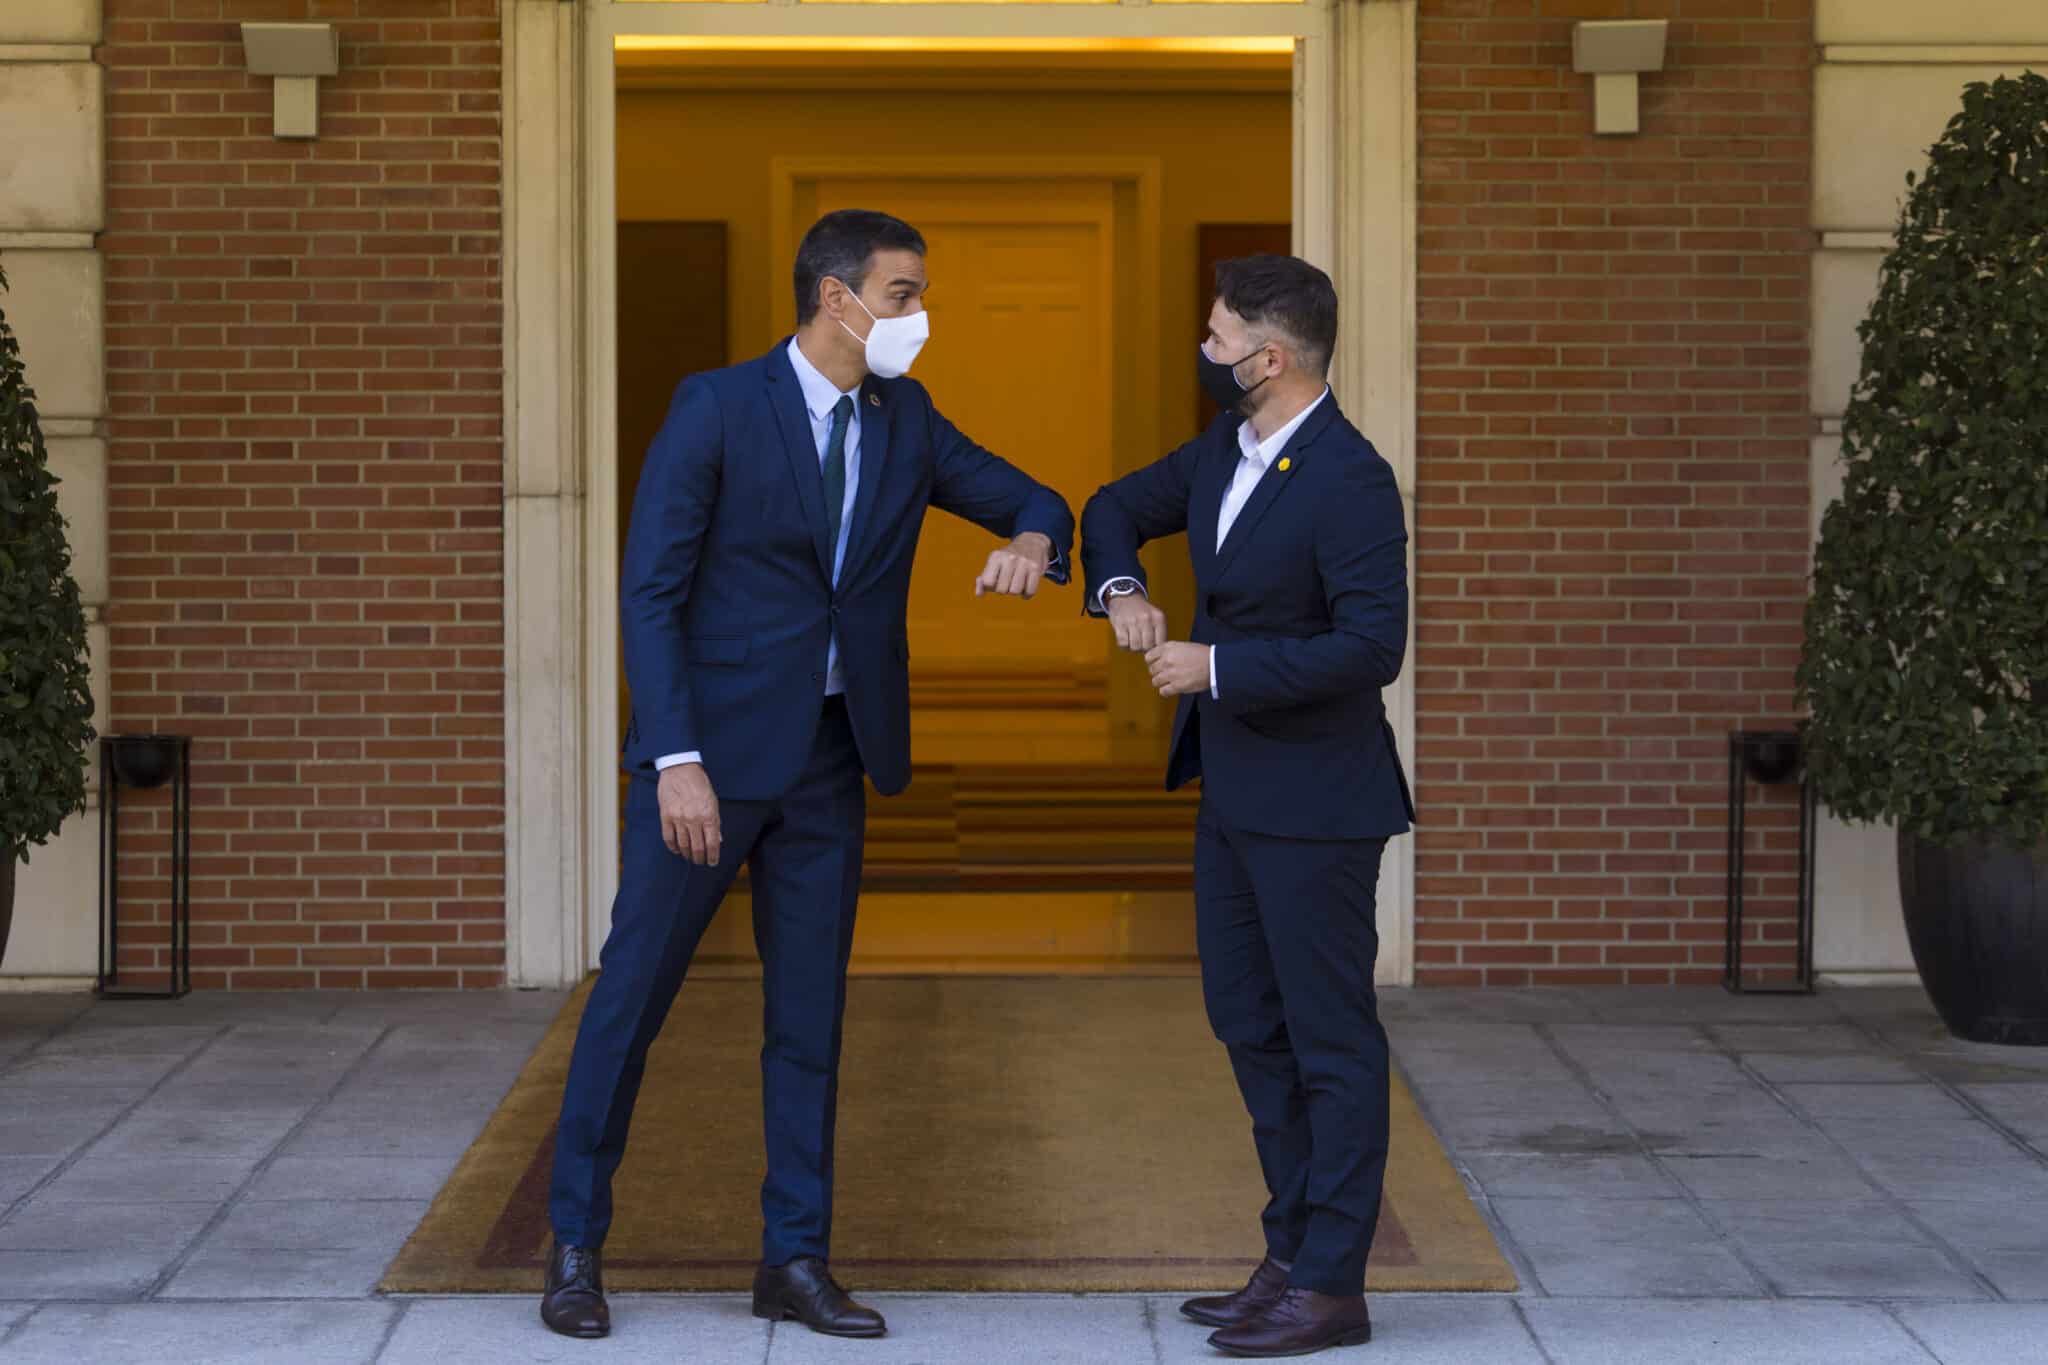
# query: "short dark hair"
840 245
1287 295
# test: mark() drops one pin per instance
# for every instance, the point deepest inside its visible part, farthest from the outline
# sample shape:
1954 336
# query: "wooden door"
1022 311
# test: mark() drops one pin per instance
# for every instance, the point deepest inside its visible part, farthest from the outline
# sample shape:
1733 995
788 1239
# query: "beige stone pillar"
52 206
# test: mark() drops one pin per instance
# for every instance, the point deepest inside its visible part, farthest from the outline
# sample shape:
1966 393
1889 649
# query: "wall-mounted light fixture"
1613 53
297 55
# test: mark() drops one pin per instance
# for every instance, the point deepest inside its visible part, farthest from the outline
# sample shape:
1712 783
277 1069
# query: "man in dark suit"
1300 557
766 577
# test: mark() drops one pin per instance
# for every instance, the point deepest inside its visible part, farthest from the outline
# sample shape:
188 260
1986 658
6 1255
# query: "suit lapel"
786 397
1273 483
874 449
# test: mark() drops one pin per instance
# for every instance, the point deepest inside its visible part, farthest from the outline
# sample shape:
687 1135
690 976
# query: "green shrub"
1926 657
45 702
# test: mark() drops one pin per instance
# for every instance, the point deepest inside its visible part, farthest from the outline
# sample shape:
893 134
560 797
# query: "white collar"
1265 451
821 395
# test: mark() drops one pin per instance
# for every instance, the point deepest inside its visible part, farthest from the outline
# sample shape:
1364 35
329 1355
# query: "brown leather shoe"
1229 1310
1300 1322
806 1291
573 1303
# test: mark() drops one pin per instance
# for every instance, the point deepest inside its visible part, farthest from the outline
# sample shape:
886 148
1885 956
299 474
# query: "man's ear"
833 294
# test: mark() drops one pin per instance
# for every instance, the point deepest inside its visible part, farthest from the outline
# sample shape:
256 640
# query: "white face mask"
892 343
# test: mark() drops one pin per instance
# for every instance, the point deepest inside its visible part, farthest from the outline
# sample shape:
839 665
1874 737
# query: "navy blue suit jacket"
1306 605
727 604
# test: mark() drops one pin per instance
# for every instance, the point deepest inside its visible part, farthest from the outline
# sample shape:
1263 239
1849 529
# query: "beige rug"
1074 1134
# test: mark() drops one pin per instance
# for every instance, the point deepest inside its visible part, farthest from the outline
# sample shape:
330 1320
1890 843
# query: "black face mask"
1219 381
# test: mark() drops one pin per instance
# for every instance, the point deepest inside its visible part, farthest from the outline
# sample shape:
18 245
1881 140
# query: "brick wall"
304 371
1612 484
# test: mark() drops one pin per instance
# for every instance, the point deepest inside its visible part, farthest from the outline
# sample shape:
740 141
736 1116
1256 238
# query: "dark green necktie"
835 473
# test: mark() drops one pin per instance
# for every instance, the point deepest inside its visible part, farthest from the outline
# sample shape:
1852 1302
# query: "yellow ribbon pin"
1285 464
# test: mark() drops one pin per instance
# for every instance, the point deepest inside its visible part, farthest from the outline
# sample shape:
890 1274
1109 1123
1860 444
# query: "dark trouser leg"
664 905
1316 900
806 876
1243 997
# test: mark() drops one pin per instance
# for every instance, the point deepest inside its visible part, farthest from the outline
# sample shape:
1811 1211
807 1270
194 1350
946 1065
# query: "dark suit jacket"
1306 605
726 597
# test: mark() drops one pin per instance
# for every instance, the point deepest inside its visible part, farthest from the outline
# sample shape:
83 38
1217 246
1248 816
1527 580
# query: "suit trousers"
1287 938
804 854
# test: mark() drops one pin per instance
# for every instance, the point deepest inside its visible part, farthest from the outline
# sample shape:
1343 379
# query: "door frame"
1354 214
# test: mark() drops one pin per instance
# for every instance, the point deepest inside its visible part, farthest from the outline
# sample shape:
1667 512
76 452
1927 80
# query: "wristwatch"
1120 587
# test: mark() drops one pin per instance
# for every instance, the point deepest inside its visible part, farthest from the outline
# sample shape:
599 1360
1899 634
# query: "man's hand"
1179 667
689 813
1014 570
1140 627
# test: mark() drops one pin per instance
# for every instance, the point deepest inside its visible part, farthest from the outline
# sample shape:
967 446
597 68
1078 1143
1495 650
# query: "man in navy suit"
766 577
1300 557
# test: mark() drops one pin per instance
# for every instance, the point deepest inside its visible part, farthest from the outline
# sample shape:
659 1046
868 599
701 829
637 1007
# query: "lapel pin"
1285 464
874 400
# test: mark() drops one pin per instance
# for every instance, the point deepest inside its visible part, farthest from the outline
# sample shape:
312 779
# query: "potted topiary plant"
1926 661
45 699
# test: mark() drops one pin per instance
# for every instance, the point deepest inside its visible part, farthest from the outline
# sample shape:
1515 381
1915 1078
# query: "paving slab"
646 1330
2017 1275
218 1334
1980 1334
1863 1270
2022 1107
95 1179
19 1175
1702 1005
1828 1175
1705 1271
91 1038
1912 1102
319 1224
1817 1038
1506 1175
190 1128
352 1177
218 1272
54 1132
1592 1133
133 1072
2006 1176
44 1224
1407 1329
1795 1068
367 1133
105 1273
2005 1241
1719 1334
985 1329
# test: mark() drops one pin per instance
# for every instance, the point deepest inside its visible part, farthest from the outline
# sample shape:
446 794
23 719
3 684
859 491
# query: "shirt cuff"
1056 570
1212 675
1102 593
673 760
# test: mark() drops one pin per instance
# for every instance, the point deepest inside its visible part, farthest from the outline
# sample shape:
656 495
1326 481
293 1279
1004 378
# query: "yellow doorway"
1069 202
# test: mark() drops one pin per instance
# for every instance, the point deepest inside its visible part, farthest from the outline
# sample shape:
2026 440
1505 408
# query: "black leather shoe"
1299 1323
574 1302
804 1290
1228 1310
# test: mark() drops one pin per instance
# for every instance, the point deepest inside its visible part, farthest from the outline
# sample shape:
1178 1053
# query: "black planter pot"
145 761
8 862
1977 916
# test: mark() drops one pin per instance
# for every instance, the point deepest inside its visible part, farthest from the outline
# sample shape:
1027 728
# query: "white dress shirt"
821 395
1254 459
